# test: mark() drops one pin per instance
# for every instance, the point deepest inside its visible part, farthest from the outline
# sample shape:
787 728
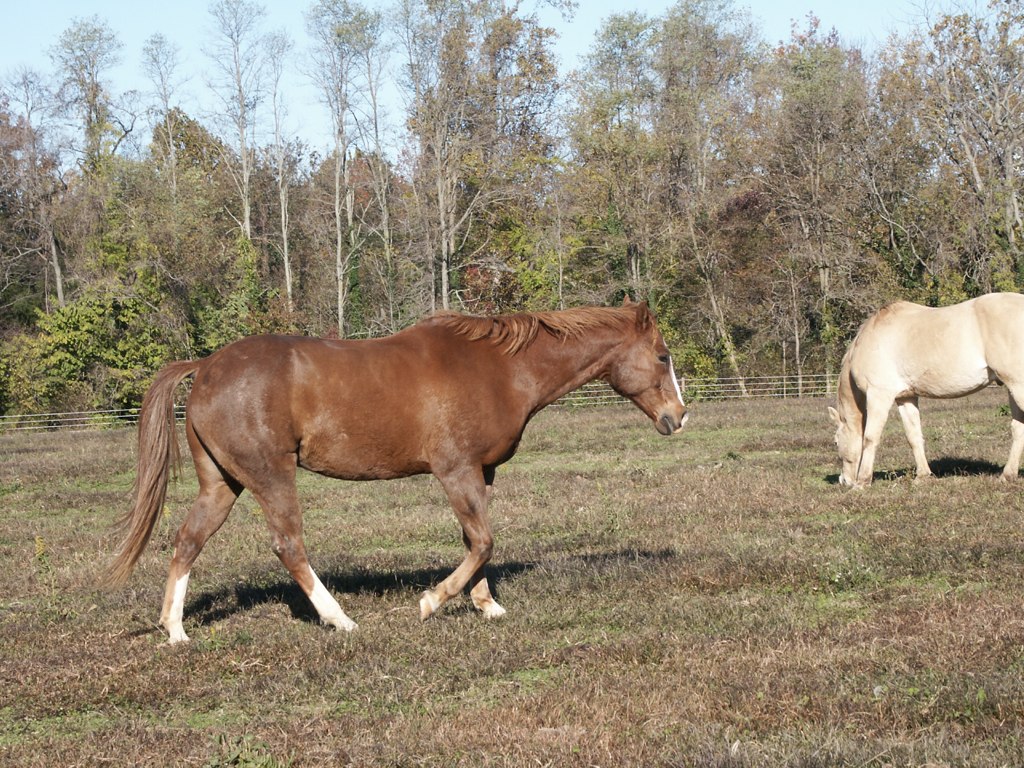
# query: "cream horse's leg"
878 413
1016 433
911 417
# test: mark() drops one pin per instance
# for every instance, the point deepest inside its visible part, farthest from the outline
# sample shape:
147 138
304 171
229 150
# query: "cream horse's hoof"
177 635
341 623
491 610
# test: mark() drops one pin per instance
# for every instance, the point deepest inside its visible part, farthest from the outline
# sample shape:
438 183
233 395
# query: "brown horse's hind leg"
280 503
217 494
468 494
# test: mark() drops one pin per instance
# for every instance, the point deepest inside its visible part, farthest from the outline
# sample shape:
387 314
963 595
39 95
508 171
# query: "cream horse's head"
849 441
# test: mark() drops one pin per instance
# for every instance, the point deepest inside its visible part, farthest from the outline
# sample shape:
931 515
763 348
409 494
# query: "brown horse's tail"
158 455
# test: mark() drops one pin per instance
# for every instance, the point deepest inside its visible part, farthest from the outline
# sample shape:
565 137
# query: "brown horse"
450 396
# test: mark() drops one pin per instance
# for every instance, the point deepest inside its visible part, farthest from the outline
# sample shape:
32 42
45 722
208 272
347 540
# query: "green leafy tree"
612 134
479 78
98 351
813 97
244 307
84 55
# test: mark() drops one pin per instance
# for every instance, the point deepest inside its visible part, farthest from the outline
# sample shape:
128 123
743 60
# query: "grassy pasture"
714 599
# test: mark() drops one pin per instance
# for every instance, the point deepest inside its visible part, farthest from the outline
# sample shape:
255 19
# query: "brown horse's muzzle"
670 423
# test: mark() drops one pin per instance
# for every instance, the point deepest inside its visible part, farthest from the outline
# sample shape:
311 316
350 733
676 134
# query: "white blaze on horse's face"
679 395
675 383
671 413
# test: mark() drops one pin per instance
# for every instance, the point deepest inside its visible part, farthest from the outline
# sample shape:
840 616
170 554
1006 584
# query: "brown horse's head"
644 374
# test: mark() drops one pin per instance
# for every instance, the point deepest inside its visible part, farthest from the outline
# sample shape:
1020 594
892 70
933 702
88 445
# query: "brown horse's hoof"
428 604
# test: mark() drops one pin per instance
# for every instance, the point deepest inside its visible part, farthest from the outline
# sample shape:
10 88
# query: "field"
713 599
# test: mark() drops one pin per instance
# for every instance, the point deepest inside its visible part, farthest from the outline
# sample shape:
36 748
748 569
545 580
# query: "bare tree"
278 47
438 81
341 33
238 55
38 178
160 61
813 141
704 56
974 82
369 116
478 78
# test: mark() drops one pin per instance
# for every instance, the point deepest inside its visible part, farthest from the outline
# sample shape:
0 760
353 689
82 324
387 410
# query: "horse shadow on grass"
215 605
944 467
958 467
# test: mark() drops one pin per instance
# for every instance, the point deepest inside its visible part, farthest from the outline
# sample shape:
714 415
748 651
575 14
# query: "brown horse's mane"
516 331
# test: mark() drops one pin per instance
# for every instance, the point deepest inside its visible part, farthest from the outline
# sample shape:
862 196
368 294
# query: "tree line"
763 198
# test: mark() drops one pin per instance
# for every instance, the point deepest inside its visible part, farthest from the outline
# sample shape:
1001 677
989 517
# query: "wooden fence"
593 394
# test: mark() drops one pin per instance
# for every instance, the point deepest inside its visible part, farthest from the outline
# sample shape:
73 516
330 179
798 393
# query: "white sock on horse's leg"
172 620
328 608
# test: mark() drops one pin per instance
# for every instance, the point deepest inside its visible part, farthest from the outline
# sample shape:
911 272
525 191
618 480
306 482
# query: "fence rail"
595 393
812 385
702 390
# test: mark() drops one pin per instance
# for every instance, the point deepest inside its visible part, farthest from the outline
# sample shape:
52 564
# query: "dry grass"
710 600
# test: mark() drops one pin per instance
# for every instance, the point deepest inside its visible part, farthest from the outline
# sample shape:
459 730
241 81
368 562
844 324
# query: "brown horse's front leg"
482 599
468 494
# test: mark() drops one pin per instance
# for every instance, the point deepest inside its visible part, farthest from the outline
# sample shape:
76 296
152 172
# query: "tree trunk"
722 329
445 239
282 194
58 273
794 309
339 240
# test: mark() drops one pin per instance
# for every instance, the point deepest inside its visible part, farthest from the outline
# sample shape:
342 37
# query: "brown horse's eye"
663 359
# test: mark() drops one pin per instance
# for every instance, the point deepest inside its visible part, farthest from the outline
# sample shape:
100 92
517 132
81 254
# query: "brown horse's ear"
644 318
626 301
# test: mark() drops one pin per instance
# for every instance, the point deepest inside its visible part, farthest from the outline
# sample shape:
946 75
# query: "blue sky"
30 29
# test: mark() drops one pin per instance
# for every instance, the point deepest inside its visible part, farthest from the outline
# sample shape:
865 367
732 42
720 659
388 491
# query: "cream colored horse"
905 351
